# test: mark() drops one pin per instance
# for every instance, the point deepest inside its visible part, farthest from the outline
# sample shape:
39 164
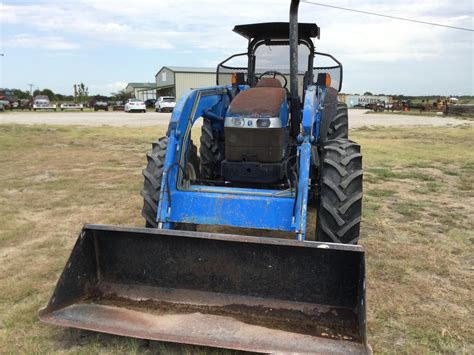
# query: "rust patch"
258 102
332 323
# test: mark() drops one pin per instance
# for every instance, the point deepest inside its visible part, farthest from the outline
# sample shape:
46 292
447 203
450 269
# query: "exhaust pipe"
227 291
295 100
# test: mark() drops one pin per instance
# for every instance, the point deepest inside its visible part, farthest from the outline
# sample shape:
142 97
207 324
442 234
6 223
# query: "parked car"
118 106
71 106
41 102
376 106
165 104
22 104
5 105
101 105
135 105
150 103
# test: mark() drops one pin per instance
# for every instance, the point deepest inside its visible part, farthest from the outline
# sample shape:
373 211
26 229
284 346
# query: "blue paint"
312 112
248 211
304 151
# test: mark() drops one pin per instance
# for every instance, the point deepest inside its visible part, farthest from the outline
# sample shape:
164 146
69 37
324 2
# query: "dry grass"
417 230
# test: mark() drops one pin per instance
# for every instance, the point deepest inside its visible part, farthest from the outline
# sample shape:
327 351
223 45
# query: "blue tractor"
267 149
273 142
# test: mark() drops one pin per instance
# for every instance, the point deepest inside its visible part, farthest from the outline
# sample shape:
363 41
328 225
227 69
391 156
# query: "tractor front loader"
274 141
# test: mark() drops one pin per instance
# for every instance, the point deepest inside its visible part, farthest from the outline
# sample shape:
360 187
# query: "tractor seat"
268 83
258 102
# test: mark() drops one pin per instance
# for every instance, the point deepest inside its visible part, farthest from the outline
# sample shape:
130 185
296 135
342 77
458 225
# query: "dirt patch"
361 118
357 119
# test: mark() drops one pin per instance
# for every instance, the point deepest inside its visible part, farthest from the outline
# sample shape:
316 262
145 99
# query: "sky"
108 43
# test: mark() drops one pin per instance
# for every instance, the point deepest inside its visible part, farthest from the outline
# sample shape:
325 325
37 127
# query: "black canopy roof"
276 30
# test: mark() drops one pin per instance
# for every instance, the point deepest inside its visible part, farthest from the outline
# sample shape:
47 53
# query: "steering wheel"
274 73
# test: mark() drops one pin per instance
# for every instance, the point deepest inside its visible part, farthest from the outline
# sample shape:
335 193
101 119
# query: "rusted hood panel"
258 102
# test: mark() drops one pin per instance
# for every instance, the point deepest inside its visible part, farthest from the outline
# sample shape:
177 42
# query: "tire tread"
340 192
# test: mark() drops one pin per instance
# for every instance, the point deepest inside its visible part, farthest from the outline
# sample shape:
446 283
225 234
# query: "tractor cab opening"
257 128
268 54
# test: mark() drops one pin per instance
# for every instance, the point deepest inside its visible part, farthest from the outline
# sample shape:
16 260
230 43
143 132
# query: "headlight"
237 122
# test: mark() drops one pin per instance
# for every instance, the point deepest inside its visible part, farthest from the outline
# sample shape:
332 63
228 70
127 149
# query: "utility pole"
31 89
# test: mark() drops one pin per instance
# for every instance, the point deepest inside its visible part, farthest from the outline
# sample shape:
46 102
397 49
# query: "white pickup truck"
41 102
165 104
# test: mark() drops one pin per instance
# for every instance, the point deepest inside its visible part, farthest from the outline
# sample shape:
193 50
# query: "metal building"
142 91
174 81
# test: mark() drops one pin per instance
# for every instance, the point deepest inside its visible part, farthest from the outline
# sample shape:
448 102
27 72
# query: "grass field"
417 230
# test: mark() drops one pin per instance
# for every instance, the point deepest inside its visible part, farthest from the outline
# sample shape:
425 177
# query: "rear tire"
209 152
153 175
340 192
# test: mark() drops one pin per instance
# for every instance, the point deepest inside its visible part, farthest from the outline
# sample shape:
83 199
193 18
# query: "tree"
60 97
122 95
20 94
368 93
47 92
81 92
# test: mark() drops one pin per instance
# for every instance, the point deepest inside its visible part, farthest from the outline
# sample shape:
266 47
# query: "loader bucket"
226 291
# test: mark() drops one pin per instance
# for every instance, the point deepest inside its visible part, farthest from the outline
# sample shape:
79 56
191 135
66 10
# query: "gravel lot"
357 118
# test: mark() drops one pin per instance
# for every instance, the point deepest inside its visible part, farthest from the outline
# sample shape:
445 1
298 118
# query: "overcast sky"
107 43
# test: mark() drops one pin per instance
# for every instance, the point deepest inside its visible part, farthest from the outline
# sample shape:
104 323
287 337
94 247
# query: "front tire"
211 155
153 175
335 120
340 192
339 126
